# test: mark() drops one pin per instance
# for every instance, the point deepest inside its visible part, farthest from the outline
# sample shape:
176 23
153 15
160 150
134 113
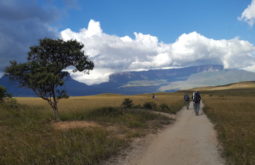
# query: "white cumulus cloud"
96 76
112 53
248 15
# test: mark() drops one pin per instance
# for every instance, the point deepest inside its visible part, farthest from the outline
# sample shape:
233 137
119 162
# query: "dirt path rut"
190 141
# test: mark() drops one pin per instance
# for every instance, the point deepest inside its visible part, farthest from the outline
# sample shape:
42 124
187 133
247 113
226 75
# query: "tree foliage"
3 93
44 70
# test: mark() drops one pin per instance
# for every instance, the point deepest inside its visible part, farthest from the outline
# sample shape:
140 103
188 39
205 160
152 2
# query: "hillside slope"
211 78
240 85
120 83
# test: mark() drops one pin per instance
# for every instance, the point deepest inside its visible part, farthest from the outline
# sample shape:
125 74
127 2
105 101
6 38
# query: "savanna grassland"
232 110
86 103
92 128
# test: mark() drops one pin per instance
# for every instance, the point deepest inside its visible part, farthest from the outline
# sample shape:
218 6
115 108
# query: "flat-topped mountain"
146 81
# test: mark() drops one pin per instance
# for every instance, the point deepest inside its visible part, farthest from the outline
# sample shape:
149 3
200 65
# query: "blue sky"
166 19
132 35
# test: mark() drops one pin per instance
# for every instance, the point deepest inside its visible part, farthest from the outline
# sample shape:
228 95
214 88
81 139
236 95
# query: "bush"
127 103
138 106
164 107
3 94
150 105
106 112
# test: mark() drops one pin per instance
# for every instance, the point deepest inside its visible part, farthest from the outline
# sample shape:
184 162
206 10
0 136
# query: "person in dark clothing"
196 102
186 100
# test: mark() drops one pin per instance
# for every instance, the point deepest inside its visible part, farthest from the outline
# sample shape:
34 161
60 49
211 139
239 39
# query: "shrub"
164 107
138 106
3 93
127 103
150 105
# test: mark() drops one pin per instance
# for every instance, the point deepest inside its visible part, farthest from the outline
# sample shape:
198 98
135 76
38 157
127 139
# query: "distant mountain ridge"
123 83
215 78
168 74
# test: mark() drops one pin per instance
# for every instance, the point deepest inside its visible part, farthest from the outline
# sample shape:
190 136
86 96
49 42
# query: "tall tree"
44 70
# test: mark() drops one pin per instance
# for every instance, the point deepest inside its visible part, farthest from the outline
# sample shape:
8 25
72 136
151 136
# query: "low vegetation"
3 94
127 103
29 134
233 113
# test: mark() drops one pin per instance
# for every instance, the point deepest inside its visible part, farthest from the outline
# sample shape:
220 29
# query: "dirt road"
190 141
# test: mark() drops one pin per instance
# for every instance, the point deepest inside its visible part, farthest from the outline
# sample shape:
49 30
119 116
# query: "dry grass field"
233 113
85 103
93 128
241 85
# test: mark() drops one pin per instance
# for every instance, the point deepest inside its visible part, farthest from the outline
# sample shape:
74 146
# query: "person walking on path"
196 102
153 96
186 100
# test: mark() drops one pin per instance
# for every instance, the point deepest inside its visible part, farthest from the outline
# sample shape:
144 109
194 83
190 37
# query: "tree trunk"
55 111
55 106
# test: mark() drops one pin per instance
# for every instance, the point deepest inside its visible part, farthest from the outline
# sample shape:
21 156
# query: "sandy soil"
62 125
190 141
